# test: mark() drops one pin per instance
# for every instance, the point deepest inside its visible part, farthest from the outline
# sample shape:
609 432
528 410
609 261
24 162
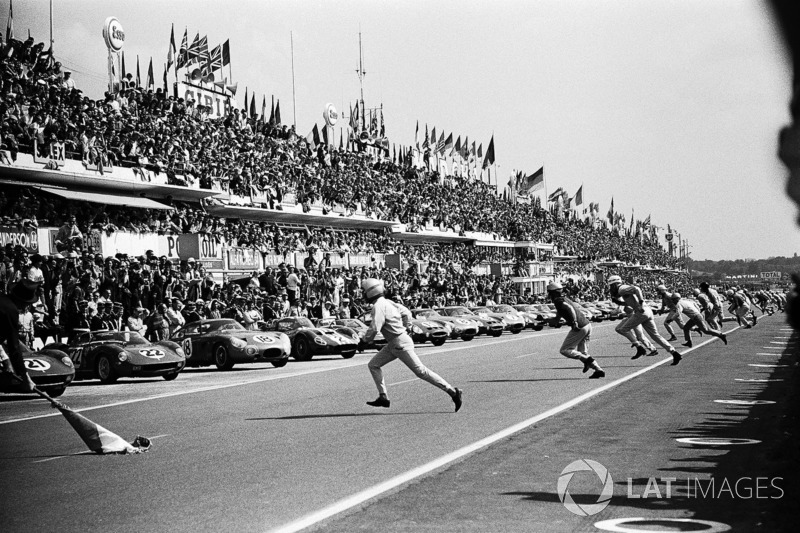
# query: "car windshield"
351 323
524 307
302 322
427 313
456 311
228 326
505 309
127 337
480 310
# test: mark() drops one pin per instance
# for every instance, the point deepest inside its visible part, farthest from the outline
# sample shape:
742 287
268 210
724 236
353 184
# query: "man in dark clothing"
576 344
21 294
189 313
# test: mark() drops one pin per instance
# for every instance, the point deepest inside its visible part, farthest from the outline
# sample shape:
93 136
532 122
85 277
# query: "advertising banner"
202 248
244 259
27 238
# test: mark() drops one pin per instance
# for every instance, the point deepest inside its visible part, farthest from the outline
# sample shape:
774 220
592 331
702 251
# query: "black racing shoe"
588 364
640 351
673 338
676 358
755 319
688 344
724 338
653 352
456 396
382 401
598 374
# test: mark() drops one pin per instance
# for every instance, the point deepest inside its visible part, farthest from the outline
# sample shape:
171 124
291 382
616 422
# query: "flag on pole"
226 53
579 196
489 160
138 77
480 151
531 183
264 108
124 73
315 133
191 52
555 195
215 59
10 24
416 136
151 83
434 145
166 89
448 144
325 135
278 113
253 105
171 52
457 148
183 53
244 107
610 214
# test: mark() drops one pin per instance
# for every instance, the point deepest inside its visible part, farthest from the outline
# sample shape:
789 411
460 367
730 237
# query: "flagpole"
51 26
294 99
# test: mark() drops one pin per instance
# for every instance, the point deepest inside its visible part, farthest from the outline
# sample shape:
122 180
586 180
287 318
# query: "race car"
420 331
598 314
512 322
353 324
487 325
613 310
224 343
109 355
51 370
457 327
308 340
512 313
534 317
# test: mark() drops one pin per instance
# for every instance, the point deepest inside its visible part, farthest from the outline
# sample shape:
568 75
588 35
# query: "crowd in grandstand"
249 155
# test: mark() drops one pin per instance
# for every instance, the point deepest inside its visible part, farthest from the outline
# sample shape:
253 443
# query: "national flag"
171 52
426 142
310 138
555 195
383 125
191 52
532 182
215 59
198 52
226 53
150 81
138 77
440 143
448 144
489 160
183 53
434 145
646 223
416 136
610 214
480 151
579 196
10 24
325 135
458 145
264 108
244 107
253 105
464 153
166 90
341 140
315 134
124 73
278 113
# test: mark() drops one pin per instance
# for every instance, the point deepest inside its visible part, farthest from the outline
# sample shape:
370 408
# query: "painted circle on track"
713 441
767 365
650 525
745 402
757 380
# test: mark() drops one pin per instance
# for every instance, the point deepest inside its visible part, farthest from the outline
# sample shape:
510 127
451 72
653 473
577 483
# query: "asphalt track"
265 449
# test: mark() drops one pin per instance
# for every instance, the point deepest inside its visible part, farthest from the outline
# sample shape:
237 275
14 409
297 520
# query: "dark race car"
343 324
458 327
51 370
308 340
224 342
421 331
109 355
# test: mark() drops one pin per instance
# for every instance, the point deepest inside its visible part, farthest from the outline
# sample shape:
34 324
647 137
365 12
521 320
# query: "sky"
670 107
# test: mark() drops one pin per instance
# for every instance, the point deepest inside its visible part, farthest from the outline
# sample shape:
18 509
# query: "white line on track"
362 362
404 381
390 484
86 453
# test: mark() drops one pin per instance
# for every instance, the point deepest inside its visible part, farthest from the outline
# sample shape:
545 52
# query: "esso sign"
113 34
330 115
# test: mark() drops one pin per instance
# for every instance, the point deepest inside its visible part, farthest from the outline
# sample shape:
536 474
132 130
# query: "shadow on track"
343 415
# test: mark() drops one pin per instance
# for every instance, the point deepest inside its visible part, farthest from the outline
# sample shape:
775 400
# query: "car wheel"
105 370
516 331
497 333
279 364
222 359
170 377
302 351
55 392
540 327
467 338
438 342
348 354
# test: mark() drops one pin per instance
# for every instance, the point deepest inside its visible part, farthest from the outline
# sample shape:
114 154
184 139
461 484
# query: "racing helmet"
372 288
661 288
696 292
554 286
614 279
729 292
675 296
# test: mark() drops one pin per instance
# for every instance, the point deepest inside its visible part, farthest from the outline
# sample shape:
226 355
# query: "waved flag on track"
532 183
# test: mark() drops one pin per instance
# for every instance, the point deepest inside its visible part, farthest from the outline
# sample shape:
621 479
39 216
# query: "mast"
294 100
361 73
